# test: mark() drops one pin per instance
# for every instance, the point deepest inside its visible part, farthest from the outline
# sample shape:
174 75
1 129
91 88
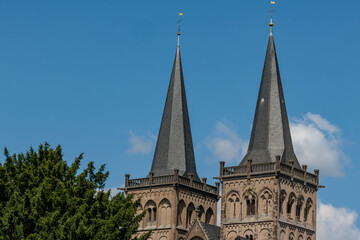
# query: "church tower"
269 195
172 191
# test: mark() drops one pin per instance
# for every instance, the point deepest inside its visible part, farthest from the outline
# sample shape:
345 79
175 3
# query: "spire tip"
271 24
178 33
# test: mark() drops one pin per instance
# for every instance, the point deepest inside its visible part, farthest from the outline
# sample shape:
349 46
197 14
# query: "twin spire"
174 147
270 134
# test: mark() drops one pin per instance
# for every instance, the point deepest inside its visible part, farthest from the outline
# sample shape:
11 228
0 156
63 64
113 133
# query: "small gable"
203 231
196 232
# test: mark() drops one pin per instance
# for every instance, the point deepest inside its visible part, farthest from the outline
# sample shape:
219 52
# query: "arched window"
165 213
291 236
249 237
233 206
290 203
151 213
266 202
282 235
190 214
250 204
248 234
308 206
282 200
299 204
209 216
200 213
181 214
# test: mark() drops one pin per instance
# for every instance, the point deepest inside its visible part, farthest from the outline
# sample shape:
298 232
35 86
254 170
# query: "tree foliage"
42 197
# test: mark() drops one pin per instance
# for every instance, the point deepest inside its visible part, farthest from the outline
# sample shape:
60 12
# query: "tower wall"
170 203
268 201
297 210
249 208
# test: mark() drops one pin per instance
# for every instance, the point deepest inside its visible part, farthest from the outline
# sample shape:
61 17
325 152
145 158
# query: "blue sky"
93 75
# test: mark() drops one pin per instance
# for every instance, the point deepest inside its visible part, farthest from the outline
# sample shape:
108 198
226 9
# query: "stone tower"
172 191
269 195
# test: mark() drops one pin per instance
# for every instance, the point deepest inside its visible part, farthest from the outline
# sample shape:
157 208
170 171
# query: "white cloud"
141 144
317 143
226 145
322 123
114 191
336 223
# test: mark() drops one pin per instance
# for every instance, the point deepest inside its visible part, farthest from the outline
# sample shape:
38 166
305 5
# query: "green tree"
42 197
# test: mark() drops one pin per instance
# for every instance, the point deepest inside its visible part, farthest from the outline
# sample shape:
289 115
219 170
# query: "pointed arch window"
209 216
250 204
290 203
307 208
282 200
233 206
190 215
182 214
266 200
299 205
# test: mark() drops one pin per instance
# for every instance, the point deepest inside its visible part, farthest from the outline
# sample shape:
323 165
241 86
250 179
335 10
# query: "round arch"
151 213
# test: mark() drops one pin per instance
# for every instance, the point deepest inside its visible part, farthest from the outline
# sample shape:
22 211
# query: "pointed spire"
270 135
174 147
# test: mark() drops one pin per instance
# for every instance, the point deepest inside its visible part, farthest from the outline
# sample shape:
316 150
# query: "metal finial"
179 21
271 24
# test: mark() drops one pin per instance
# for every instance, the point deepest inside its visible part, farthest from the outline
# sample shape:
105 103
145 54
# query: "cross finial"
271 24
179 21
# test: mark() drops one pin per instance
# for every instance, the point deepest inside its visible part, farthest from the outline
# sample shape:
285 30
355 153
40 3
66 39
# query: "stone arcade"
269 195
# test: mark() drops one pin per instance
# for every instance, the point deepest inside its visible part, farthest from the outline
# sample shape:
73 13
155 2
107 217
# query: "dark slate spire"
174 147
270 135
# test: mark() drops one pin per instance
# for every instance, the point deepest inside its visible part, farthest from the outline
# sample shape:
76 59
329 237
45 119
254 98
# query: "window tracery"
250 197
233 206
290 203
250 205
299 205
282 200
307 208
266 200
151 213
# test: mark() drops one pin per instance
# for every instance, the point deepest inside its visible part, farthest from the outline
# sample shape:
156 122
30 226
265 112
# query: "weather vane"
179 21
271 13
